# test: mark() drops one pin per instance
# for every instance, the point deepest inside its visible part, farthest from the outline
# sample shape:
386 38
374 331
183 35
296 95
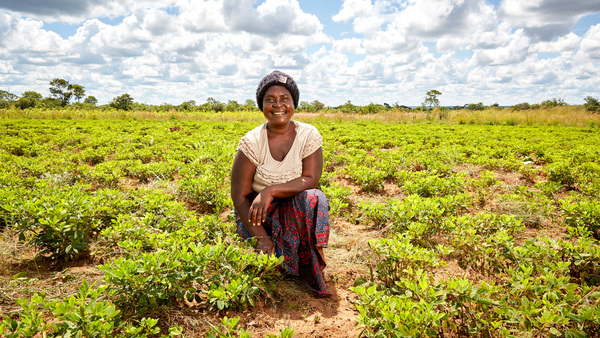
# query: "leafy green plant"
205 193
338 197
62 222
582 213
382 314
229 328
394 256
370 179
31 320
482 253
84 314
542 301
485 185
563 173
399 215
227 275
471 306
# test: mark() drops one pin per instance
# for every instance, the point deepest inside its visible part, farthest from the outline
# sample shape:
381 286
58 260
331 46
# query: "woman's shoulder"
309 138
305 128
254 134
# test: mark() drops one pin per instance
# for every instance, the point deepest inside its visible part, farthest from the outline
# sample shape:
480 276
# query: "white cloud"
271 18
515 51
76 11
202 16
156 21
6 67
444 17
352 45
546 19
589 49
191 49
366 17
566 43
27 37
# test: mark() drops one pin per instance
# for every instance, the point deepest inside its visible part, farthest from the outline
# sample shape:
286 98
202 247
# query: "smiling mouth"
279 113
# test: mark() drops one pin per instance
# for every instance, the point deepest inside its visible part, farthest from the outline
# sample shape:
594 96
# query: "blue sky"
392 51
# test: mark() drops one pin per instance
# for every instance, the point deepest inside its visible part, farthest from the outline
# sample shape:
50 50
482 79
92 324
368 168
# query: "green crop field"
121 226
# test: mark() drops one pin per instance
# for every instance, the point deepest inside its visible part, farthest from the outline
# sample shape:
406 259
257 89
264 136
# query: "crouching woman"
273 185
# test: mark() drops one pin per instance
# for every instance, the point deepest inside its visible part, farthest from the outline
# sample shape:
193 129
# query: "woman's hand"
258 210
265 245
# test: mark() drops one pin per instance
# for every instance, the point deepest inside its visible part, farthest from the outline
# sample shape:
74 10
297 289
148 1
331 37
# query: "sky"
363 51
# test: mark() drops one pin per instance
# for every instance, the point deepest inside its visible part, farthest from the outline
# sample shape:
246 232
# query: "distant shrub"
521 106
592 104
553 103
372 108
25 102
475 106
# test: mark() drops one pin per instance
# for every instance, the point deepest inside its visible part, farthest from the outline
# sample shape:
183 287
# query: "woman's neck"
279 130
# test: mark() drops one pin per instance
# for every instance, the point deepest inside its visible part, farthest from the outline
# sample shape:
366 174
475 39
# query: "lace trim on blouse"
277 177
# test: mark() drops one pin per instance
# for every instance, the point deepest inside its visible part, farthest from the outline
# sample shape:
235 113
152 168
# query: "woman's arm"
312 168
242 175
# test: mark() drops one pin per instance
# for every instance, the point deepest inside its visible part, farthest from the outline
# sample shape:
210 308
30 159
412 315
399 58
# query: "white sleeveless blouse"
255 145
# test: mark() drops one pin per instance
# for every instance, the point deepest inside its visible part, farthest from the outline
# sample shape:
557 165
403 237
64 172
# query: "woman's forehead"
277 90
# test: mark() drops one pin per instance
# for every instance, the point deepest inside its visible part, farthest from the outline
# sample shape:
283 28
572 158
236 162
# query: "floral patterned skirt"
299 229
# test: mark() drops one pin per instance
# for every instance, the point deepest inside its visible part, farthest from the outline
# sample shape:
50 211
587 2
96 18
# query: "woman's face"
278 105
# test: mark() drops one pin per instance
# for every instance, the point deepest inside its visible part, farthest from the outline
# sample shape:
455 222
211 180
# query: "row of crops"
150 201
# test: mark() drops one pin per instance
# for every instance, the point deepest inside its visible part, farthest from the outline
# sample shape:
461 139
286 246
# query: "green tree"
431 98
78 91
250 105
6 98
521 106
212 104
187 106
315 106
62 90
29 99
592 104
25 102
232 105
475 106
123 102
304 106
32 95
50 102
348 107
372 108
91 100
554 102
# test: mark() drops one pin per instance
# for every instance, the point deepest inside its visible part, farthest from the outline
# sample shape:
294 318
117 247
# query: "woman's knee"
314 193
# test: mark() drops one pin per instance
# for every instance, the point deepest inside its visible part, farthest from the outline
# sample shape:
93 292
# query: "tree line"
62 93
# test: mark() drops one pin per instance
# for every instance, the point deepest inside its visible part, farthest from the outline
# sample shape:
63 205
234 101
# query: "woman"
273 185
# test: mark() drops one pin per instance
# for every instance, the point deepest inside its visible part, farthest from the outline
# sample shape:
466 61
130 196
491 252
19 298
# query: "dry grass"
573 116
23 273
